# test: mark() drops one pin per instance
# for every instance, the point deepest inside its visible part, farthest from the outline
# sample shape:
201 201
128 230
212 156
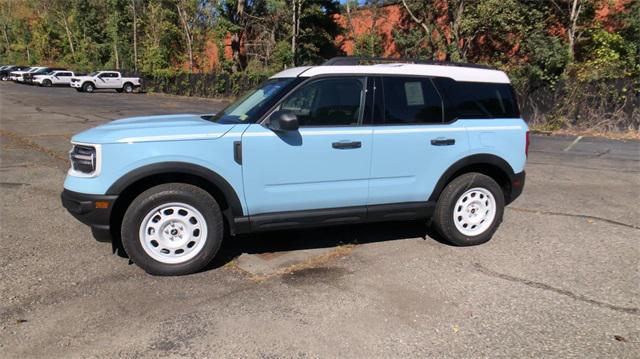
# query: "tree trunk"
6 36
294 34
69 36
573 21
115 51
422 23
187 34
235 50
135 37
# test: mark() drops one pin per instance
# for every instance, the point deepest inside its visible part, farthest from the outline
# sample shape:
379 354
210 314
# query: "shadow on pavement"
324 237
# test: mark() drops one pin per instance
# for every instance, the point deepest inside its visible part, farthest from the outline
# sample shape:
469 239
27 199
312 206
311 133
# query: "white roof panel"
458 73
292 72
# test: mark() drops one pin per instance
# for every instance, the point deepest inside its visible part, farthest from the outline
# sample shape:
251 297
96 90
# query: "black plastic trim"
180 167
82 207
334 216
517 186
237 152
356 60
478 159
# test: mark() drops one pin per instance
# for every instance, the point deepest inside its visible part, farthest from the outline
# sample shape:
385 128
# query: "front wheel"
172 229
469 210
88 87
46 83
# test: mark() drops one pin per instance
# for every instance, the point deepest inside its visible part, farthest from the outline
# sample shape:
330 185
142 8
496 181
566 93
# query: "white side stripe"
377 131
195 136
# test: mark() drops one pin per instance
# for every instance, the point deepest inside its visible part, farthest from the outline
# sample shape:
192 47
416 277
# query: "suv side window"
479 100
411 100
328 102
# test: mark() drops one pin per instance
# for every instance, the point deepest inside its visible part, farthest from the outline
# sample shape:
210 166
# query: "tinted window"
411 100
255 102
64 74
480 100
327 102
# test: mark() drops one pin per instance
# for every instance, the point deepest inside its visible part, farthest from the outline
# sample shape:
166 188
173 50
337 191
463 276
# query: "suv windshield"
251 105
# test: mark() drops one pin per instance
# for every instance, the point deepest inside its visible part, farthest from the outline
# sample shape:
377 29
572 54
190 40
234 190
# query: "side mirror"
283 120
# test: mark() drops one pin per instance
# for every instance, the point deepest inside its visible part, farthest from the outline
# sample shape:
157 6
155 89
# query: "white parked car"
105 80
18 75
54 78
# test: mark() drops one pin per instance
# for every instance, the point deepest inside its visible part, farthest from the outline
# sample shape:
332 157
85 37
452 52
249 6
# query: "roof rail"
355 60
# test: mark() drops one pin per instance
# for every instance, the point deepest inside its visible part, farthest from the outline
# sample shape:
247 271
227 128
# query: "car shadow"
312 238
323 237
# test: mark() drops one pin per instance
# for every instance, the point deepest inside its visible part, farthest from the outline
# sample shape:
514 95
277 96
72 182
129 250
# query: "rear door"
116 80
61 78
412 144
323 165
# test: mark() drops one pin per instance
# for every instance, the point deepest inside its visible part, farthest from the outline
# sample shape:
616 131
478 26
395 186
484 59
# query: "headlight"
85 160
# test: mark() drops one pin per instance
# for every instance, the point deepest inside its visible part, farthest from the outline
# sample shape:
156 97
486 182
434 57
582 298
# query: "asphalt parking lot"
560 278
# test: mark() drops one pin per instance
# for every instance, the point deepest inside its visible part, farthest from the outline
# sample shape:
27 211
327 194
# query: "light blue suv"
312 146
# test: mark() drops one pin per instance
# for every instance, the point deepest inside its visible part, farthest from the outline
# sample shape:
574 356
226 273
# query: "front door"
323 165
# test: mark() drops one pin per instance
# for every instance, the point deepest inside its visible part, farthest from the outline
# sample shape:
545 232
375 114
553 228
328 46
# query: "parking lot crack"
586 216
538 285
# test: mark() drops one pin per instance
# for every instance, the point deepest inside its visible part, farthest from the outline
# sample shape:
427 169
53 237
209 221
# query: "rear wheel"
88 87
172 229
128 87
469 209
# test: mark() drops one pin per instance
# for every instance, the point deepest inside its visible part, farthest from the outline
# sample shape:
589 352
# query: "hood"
154 129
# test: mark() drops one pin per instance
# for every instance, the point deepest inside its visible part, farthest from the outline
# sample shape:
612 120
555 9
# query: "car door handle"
443 141
342 145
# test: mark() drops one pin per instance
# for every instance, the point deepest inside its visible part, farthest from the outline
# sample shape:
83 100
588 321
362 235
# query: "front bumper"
93 210
517 185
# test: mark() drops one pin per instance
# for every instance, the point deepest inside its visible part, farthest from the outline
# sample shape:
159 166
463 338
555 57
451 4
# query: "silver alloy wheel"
173 233
88 88
474 212
128 88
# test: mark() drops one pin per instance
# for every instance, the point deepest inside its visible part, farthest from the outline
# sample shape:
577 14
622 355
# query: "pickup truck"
53 78
105 80
18 75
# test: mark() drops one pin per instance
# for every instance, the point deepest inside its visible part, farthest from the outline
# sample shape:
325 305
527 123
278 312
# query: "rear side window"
477 100
411 100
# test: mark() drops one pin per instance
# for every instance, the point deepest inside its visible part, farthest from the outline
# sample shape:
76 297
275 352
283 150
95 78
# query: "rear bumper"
517 185
91 209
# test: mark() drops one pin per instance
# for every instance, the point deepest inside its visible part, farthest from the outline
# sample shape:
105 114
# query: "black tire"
164 194
128 87
46 83
88 87
443 219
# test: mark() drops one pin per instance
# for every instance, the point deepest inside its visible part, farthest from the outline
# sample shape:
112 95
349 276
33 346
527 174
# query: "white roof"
458 73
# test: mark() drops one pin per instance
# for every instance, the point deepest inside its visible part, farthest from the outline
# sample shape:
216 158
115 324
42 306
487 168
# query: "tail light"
526 148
